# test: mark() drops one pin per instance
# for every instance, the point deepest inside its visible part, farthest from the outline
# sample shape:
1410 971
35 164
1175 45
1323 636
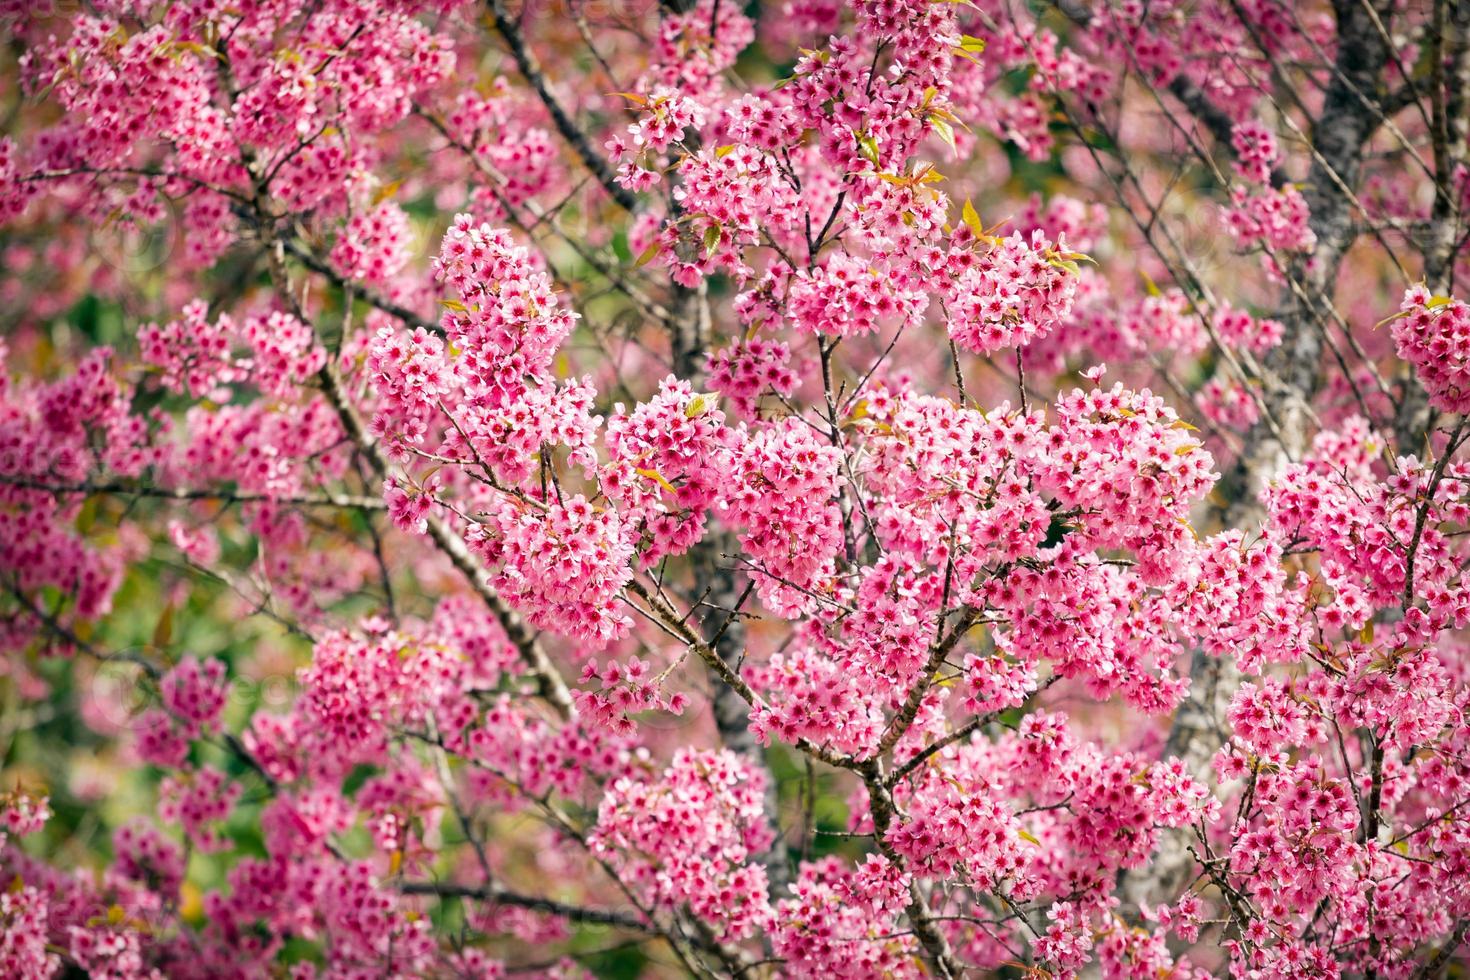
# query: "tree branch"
343 501
576 138
551 686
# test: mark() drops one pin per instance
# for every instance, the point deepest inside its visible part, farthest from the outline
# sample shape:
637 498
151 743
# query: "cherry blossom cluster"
746 372
1013 294
694 827
565 564
623 690
470 474
784 484
1432 333
1274 220
195 357
667 461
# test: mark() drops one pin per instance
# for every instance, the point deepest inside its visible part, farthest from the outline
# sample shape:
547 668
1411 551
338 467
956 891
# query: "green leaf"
87 516
163 632
648 254
386 191
972 219
194 47
658 478
945 132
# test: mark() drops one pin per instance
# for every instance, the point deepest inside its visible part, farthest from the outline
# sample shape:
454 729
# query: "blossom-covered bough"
641 487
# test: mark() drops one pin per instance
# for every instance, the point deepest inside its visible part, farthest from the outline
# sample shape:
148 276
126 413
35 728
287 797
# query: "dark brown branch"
316 264
550 684
937 652
343 501
502 896
920 916
576 138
